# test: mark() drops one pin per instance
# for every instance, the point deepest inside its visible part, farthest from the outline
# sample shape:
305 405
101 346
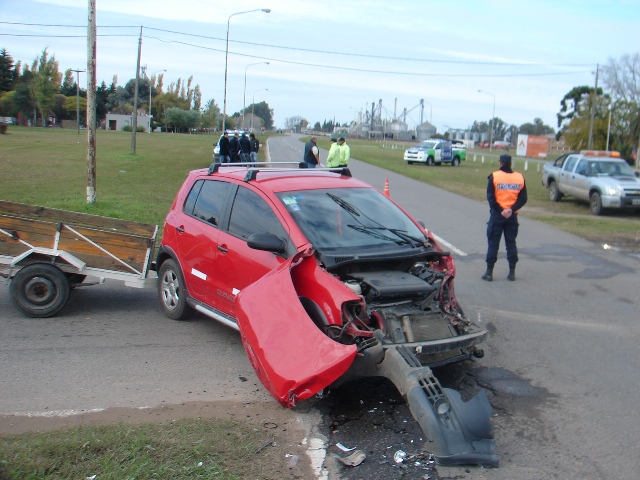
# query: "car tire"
172 291
456 162
430 160
554 193
595 203
409 162
40 290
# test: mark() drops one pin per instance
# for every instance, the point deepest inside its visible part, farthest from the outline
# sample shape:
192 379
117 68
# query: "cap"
334 140
341 139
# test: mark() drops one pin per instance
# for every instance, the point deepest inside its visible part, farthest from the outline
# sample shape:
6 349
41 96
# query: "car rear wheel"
595 203
172 291
554 193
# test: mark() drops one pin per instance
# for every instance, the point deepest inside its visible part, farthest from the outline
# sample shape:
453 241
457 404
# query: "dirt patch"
284 427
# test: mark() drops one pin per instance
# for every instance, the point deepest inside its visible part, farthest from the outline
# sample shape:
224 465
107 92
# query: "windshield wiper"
344 204
375 232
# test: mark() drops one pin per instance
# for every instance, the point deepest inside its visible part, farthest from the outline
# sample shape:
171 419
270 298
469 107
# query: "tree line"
38 92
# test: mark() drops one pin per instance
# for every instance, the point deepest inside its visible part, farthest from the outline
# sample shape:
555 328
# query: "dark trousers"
495 230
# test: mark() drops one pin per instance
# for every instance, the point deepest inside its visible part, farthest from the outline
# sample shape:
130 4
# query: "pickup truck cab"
603 179
436 152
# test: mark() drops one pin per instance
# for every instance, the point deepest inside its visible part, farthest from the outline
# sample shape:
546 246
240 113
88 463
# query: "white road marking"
443 242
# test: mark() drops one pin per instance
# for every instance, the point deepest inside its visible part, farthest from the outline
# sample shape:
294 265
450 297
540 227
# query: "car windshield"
610 169
350 218
426 144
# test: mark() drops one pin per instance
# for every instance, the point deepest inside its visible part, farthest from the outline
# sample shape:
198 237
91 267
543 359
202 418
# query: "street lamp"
492 118
78 97
226 61
609 128
253 105
245 89
151 116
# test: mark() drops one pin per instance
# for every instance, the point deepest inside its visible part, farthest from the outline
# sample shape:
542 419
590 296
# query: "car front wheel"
172 291
430 160
456 162
596 203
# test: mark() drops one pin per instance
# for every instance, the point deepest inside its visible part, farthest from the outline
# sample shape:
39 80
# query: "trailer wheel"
40 290
172 291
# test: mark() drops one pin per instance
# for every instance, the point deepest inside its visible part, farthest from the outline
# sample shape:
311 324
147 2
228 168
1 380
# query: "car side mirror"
267 242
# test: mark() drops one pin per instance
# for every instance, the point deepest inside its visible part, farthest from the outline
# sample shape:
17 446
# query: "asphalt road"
561 365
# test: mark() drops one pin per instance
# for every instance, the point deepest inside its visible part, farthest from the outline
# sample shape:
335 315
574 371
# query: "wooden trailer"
46 252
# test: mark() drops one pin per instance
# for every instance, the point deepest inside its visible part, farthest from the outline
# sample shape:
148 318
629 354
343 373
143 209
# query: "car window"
206 200
251 214
583 167
569 163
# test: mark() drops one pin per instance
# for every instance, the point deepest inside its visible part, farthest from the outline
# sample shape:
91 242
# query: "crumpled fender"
293 359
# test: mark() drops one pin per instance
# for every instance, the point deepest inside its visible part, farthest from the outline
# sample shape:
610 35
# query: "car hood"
418 149
291 356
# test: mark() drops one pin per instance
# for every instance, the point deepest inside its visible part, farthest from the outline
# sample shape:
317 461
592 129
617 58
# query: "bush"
129 128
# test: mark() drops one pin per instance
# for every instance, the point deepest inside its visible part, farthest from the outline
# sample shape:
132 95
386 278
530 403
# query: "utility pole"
135 98
594 97
91 103
78 97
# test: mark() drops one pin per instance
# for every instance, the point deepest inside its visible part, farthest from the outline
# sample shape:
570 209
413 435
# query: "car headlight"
613 191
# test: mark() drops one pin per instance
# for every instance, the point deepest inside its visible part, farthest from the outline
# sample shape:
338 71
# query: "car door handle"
223 249
180 229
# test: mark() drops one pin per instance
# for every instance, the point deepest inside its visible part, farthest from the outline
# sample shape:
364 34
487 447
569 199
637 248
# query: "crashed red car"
327 280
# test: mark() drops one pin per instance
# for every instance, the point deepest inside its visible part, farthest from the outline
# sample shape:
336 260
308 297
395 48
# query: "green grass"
470 180
182 449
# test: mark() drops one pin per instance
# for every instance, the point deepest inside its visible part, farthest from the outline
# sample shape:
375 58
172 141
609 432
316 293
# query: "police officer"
333 158
344 152
506 193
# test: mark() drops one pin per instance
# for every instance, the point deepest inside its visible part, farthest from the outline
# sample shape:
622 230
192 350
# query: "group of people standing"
339 153
239 149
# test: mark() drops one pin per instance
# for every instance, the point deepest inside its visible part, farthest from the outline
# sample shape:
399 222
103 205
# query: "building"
115 121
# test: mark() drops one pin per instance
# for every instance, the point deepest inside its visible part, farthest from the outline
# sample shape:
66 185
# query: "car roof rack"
254 167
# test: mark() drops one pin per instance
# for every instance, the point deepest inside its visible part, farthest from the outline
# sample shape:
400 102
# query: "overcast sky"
333 59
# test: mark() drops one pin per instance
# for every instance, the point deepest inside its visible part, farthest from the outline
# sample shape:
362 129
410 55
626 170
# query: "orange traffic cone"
386 187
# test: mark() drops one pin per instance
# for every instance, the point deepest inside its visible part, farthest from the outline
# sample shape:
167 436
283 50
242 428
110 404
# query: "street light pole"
245 89
492 118
253 105
609 128
151 116
226 61
78 97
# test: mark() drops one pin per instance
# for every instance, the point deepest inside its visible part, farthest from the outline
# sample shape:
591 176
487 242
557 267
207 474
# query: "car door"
198 229
580 181
238 265
567 176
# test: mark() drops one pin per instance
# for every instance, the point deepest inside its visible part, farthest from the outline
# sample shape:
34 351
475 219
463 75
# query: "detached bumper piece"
460 432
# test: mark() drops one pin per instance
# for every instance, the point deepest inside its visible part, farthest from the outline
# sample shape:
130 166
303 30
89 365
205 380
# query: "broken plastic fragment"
353 460
343 448
399 456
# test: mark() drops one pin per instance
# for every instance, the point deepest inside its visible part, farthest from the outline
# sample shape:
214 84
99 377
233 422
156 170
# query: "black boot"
512 273
488 275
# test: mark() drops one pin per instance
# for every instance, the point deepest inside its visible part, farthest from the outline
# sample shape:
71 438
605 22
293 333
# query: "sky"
331 60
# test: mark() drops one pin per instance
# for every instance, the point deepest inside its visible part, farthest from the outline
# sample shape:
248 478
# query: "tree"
7 71
263 111
210 114
180 119
538 127
573 101
45 83
317 127
295 123
622 78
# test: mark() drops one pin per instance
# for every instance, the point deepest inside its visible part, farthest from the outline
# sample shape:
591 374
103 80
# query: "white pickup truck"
602 178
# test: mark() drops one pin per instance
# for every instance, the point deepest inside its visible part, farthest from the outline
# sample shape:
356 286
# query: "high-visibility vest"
507 186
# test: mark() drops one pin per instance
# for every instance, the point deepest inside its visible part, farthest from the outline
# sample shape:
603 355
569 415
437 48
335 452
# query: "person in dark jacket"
245 148
234 148
255 147
225 153
506 193
311 153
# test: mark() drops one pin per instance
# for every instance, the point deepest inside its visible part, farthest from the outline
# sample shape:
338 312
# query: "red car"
327 280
